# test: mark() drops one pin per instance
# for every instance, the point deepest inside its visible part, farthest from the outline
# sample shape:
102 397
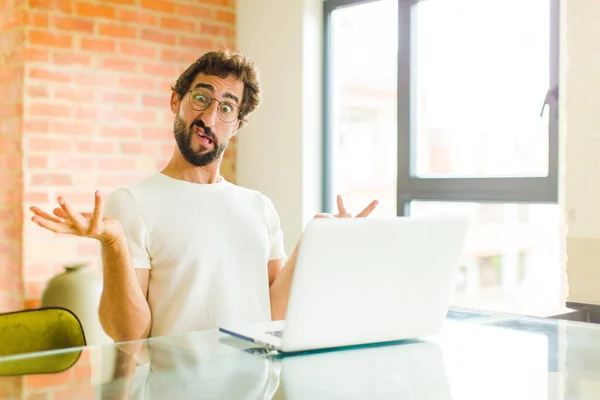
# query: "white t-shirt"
207 247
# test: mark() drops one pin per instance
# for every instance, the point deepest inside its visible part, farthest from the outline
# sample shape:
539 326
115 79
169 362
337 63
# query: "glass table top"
478 355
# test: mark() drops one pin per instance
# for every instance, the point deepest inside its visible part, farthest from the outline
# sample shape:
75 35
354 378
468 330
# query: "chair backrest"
32 331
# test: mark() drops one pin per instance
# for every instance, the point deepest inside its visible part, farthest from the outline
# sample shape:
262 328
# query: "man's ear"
237 128
175 101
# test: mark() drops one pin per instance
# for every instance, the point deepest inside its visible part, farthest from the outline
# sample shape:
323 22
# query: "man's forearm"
124 311
280 288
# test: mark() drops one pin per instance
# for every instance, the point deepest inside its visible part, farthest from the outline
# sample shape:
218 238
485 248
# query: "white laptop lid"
364 280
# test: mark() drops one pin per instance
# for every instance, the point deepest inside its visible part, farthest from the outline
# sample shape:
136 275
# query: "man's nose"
209 116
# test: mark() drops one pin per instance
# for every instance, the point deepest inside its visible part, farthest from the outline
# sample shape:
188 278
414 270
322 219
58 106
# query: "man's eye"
226 108
201 98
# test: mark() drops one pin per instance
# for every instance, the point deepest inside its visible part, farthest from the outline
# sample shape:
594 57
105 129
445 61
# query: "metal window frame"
409 187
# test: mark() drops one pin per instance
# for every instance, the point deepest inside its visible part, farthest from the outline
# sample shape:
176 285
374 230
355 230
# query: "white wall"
279 151
580 130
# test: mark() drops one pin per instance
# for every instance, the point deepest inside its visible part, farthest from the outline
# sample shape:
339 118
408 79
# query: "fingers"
67 220
324 215
77 220
42 214
341 209
54 224
97 214
59 213
343 215
56 227
368 210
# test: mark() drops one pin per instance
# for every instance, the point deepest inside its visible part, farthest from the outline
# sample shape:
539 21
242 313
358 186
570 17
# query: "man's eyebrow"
207 86
232 97
211 88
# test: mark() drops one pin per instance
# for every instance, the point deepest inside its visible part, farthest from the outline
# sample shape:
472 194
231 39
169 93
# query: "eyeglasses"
227 111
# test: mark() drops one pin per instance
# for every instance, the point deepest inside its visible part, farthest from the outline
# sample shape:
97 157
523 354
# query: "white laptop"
365 280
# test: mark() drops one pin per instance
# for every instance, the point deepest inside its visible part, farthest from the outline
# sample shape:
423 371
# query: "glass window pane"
481 75
363 111
511 259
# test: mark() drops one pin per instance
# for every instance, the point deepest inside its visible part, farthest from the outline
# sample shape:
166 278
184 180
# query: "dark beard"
183 137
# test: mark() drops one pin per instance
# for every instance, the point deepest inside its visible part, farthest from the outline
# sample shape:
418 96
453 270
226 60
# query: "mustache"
207 131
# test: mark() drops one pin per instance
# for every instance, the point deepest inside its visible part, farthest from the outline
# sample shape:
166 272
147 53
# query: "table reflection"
484 357
186 369
197 369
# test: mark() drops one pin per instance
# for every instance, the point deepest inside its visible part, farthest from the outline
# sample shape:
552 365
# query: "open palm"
85 224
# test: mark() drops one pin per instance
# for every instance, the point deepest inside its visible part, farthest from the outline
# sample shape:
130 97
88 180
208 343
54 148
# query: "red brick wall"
96 87
11 168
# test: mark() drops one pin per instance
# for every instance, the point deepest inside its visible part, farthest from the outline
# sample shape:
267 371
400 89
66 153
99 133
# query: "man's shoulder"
137 189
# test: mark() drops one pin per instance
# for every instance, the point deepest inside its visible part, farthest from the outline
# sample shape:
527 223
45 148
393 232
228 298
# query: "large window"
449 107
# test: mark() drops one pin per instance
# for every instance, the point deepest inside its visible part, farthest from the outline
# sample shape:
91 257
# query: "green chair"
23 334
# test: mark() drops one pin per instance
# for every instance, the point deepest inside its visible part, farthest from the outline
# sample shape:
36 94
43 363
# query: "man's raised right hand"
85 224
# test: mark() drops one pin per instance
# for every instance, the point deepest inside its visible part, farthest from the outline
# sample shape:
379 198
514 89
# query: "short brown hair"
223 63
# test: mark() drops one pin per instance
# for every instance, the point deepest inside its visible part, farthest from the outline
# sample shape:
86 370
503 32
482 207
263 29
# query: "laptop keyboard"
276 333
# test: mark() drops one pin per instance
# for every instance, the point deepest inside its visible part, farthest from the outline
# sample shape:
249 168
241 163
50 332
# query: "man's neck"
183 170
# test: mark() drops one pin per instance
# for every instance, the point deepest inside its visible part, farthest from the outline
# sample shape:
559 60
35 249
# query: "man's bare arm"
124 311
279 289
